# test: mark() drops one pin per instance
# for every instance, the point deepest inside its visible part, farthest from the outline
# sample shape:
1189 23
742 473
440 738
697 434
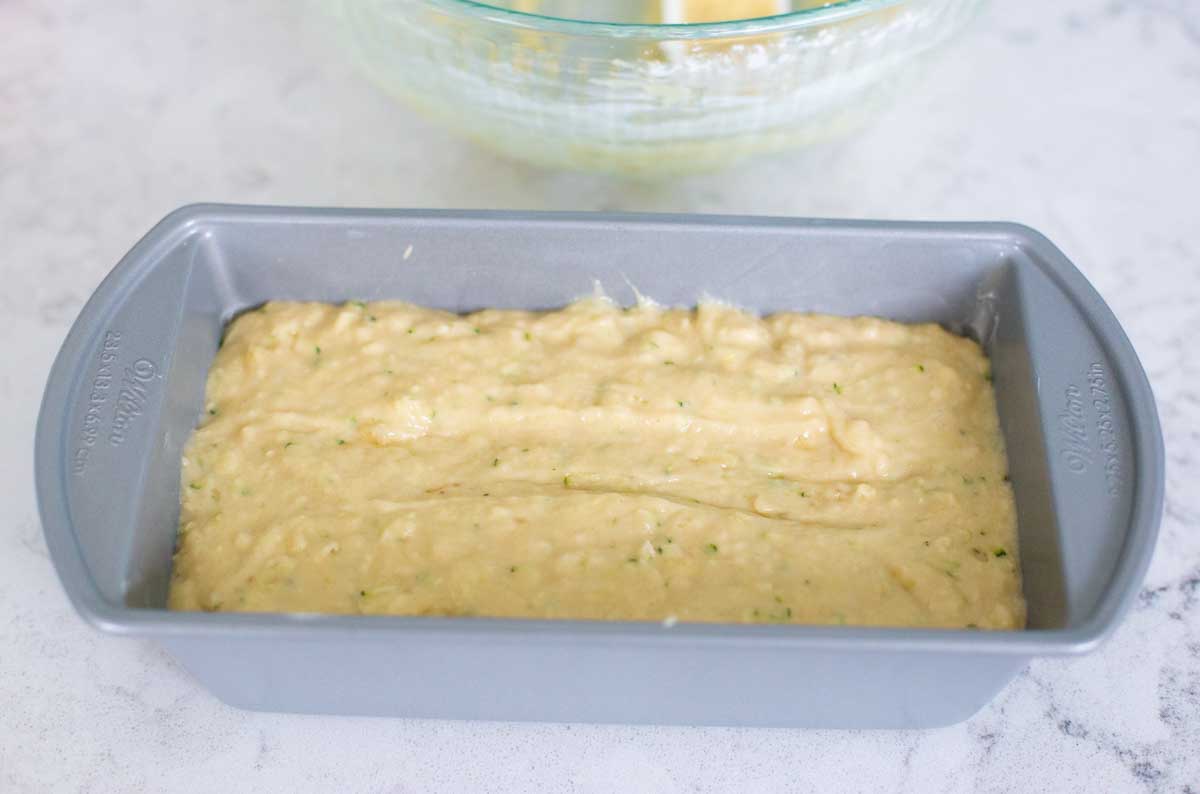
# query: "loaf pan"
127 388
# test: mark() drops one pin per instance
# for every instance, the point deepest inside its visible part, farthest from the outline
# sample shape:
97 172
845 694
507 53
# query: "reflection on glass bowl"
643 99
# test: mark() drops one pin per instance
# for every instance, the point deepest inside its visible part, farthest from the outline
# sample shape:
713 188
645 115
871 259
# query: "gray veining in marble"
1080 118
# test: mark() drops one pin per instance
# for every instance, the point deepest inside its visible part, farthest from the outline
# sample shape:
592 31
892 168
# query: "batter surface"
596 462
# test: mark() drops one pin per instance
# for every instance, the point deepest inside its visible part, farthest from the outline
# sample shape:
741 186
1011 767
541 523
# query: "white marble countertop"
1080 118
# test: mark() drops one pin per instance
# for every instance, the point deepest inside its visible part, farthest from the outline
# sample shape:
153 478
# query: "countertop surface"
1080 118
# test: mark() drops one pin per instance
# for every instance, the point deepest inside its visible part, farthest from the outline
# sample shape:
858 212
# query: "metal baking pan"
126 390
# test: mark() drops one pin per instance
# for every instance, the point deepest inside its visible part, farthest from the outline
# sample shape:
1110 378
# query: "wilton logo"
131 399
1076 448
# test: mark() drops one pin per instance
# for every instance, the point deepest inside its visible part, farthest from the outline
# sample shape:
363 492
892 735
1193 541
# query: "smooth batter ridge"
595 462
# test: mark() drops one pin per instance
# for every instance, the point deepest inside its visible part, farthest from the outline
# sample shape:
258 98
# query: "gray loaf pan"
1083 438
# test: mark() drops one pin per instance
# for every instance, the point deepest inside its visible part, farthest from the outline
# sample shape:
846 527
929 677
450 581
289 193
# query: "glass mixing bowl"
643 99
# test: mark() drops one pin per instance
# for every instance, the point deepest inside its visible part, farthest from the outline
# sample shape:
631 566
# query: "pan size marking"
1106 427
99 392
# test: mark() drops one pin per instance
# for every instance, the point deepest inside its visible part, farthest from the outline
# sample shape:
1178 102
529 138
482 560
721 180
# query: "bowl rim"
789 21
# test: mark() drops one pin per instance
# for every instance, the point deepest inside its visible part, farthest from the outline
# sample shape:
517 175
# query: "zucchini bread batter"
595 462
